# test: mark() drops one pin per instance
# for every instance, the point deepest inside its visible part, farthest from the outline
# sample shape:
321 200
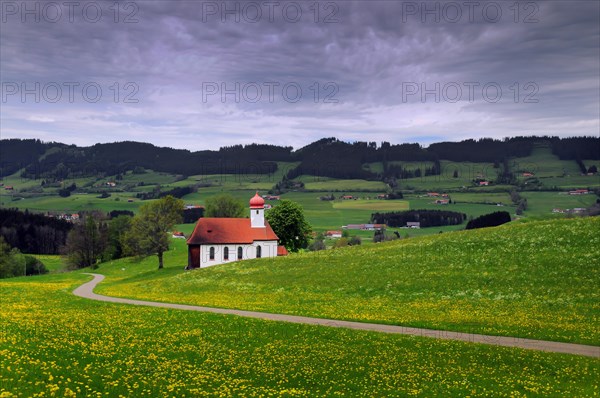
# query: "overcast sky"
201 75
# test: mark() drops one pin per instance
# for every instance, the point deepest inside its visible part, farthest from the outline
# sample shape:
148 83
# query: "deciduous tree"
150 228
224 206
86 242
288 223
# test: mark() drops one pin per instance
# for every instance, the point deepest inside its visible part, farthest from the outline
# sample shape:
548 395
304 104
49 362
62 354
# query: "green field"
53 263
536 280
542 163
372 205
74 203
56 344
326 184
542 203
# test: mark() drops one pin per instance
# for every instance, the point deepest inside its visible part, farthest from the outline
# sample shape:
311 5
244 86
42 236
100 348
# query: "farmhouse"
365 227
413 224
579 192
222 240
189 207
333 234
178 235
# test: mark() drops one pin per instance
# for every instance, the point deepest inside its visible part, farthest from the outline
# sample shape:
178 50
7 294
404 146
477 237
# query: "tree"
86 242
355 241
9 261
317 245
489 220
117 228
224 206
33 266
288 223
341 242
150 228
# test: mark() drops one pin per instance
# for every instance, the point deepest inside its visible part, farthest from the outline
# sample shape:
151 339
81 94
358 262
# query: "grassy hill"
536 280
533 279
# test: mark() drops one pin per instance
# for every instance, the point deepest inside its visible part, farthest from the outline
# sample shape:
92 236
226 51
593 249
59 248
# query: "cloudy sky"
204 74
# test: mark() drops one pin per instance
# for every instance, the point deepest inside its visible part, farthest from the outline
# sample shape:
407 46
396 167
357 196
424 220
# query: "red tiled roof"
282 251
229 230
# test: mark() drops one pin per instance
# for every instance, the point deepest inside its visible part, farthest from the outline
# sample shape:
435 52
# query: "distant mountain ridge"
328 157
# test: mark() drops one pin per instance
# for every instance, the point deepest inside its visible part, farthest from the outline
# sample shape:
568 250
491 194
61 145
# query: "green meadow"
535 280
57 344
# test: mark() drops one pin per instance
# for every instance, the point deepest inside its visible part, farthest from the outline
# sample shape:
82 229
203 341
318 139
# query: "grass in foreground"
536 280
56 344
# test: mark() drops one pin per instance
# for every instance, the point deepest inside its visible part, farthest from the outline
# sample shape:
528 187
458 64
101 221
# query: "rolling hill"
535 279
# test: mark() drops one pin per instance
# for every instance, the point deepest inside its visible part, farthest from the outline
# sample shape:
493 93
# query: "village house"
222 240
484 183
365 227
353 226
413 224
442 202
333 234
528 174
189 207
65 216
178 235
579 192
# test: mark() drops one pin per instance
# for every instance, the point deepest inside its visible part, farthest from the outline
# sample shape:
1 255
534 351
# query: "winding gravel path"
87 291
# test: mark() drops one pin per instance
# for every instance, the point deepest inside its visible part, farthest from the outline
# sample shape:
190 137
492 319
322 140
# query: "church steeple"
257 211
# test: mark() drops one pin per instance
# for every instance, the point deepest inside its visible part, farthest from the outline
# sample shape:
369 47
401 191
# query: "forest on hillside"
328 157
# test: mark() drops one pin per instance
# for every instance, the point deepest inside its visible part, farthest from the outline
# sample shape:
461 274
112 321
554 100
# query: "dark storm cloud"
363 61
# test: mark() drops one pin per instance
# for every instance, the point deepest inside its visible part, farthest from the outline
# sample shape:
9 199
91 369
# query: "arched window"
258 252
226 253
240 253
211 253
